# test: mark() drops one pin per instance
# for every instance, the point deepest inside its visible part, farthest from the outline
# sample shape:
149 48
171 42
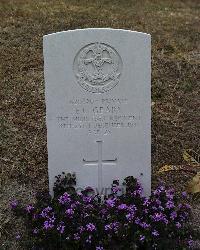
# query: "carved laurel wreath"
101 78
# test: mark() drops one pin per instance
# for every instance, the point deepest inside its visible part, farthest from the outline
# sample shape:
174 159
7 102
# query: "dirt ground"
175 29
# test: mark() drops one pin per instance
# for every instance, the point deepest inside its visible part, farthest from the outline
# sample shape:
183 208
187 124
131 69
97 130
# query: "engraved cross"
100 162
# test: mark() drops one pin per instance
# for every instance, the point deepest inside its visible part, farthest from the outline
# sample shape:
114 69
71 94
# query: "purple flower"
158 202
155 233
158 217
61 227
14 204
190 243
112 226
90 227
87 199
170 193
122 206
178 225
81 229
137 221
88 240
138 191
142 238
161 187
69 212
45 212
180 206
170 204
161 208
49 224
146 202
110 202
99 248
130 216
165 221
77 203
46 225
116 189
89 207
144 225
188 206
35 216
73 206
157 192
29 209
184 194
85 215
18 237
65 198
35 231
103 211
170 196
183 217
115 226
132 208
173 215
76 236
107 227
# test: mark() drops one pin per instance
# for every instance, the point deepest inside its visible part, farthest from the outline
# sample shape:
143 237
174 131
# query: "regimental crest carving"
97 67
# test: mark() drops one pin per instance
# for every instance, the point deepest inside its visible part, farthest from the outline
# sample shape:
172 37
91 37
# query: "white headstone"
98 100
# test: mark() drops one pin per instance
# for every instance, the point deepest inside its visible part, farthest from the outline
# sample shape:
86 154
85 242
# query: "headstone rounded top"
98 29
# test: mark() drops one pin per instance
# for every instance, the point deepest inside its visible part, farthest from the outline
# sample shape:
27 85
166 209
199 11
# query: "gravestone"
98 106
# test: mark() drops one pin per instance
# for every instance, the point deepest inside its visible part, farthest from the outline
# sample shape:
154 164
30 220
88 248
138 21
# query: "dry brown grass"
175 29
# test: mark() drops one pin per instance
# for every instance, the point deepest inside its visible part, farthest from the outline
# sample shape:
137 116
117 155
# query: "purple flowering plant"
83 220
